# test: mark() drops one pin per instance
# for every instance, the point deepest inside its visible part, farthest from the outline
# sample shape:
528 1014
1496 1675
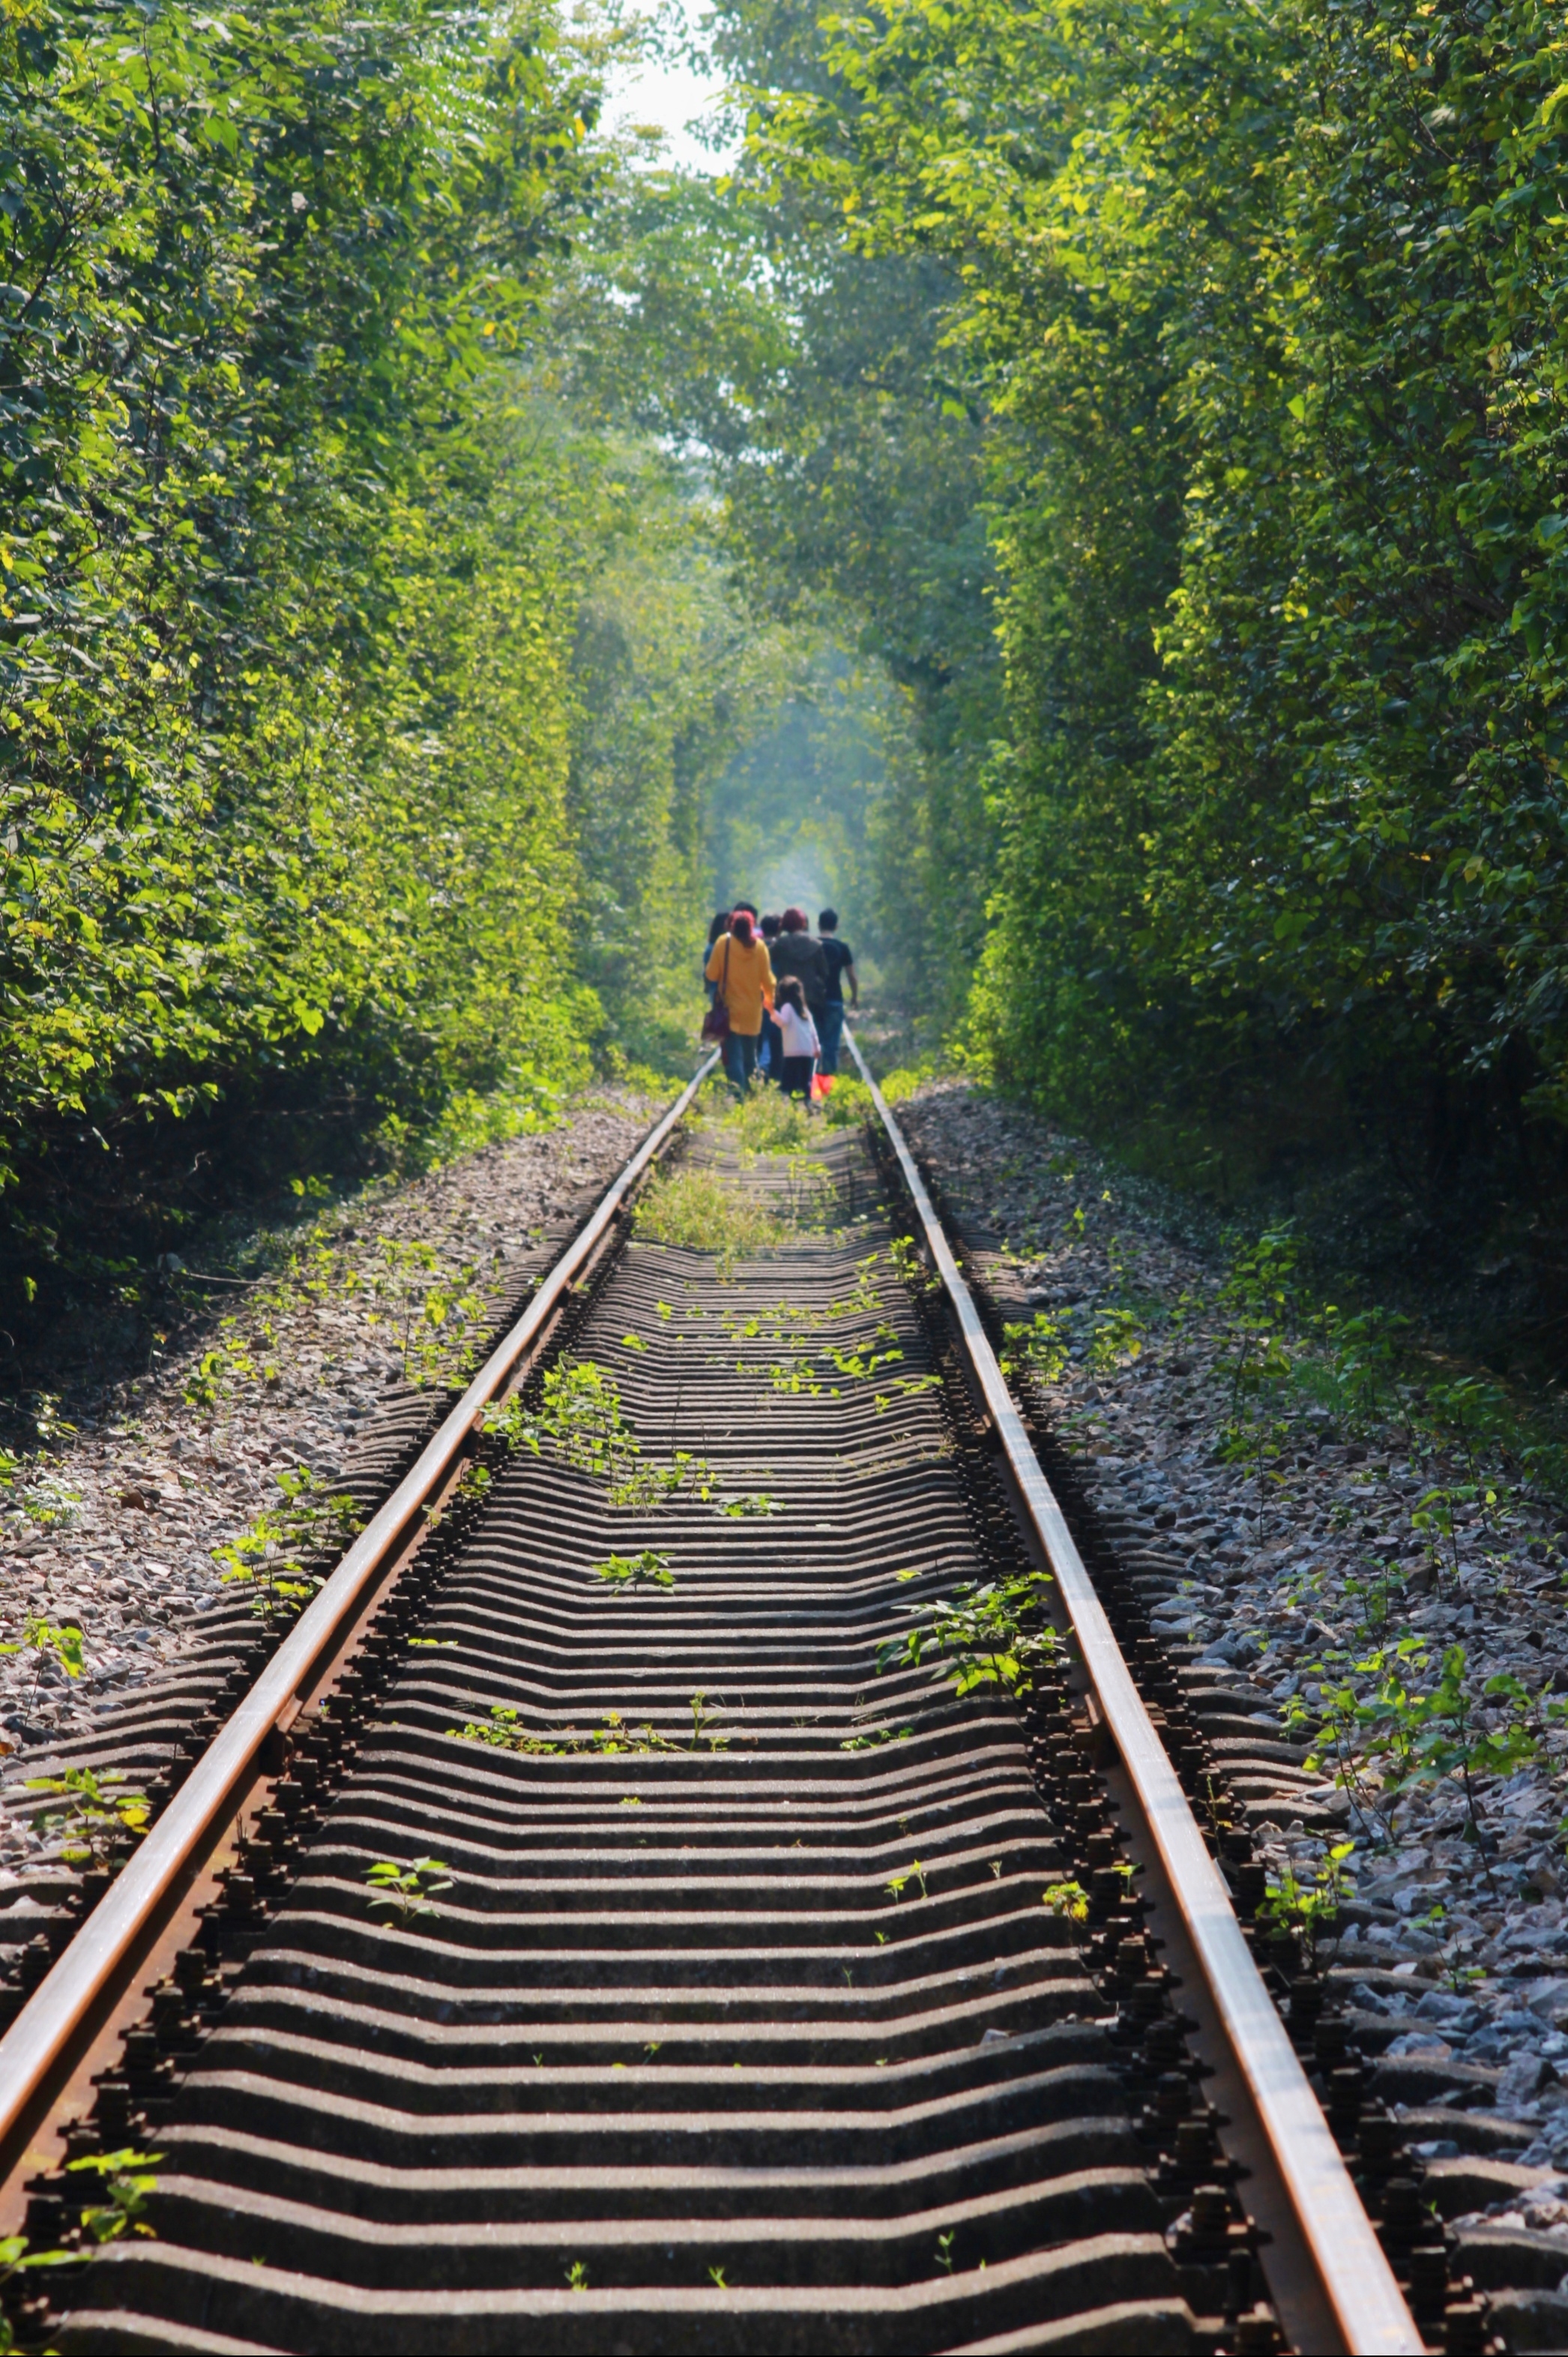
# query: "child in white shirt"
801 1045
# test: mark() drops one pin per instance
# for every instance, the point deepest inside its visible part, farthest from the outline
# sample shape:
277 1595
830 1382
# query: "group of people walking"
776 994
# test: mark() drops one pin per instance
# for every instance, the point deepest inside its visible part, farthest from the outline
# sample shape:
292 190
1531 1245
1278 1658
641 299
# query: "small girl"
801 1045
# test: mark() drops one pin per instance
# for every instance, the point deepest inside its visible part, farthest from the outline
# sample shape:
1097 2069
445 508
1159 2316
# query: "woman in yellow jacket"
739 966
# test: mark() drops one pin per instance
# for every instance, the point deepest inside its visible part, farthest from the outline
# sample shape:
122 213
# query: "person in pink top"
801 1045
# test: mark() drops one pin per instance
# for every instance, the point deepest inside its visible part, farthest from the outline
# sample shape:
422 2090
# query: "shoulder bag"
715 1022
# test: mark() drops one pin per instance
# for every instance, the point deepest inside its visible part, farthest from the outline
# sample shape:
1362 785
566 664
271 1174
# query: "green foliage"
406 1892
89 1816
127 2182
284 613
648 1568
990 1634
1384 1723
697 1210
268 1559
1308 1909
1246 328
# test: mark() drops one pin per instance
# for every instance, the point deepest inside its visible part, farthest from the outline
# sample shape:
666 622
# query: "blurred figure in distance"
839 959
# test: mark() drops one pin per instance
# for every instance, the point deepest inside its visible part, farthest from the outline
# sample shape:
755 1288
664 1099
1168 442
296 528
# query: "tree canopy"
1094 475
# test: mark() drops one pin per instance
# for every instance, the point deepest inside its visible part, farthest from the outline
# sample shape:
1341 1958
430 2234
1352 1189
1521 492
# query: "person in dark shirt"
839 959
770 1053
796 952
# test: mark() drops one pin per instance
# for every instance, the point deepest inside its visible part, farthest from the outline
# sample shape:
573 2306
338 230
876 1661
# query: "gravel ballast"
1452 1952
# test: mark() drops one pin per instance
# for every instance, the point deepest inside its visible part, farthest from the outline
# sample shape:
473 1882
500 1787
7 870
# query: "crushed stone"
1315 1554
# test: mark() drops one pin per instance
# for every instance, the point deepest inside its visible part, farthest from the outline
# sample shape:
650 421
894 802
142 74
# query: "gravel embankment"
1454 1952
116 1533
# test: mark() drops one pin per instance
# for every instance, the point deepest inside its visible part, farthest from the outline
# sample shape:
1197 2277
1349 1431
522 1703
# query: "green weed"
92 1817
127 2184
407 1892
995 1634
698 1209
648 1568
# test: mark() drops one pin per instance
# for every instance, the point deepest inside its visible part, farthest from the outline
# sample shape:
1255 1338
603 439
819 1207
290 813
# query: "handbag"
715 1022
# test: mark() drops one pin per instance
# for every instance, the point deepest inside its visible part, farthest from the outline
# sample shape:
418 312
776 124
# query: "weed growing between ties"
407 1892
647 1568
772 1347
93 1820
505 1731
580 1419
699 1211
991 1634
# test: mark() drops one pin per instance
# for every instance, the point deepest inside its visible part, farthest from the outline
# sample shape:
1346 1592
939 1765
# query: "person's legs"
740 1059
830 1031
795 1076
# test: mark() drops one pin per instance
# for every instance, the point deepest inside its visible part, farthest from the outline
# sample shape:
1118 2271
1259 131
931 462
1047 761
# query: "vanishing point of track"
741 2025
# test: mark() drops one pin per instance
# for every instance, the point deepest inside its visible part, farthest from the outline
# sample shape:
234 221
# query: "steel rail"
1358 2291
39 2051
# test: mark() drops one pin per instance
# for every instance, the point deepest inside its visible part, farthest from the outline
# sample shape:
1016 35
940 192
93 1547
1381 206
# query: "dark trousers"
830 1031
740 1057
795 1075
772 1048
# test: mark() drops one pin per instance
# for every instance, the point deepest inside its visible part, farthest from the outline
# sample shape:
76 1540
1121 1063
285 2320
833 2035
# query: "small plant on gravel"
879 1735
90 1816
576 2277
1436 1517
15 2259
995 1634
647 1568
439 1311
408 1891
1040 1348
1255 1442
268 1557
47 1504
1374 1596
61 1640
1374 1710
1307 1908
897 1884
1117 1339
127 2185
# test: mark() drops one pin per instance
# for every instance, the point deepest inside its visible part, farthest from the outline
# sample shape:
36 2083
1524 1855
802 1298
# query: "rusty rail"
1331 2281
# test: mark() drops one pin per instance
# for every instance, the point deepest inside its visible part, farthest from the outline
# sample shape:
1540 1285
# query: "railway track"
611 1956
